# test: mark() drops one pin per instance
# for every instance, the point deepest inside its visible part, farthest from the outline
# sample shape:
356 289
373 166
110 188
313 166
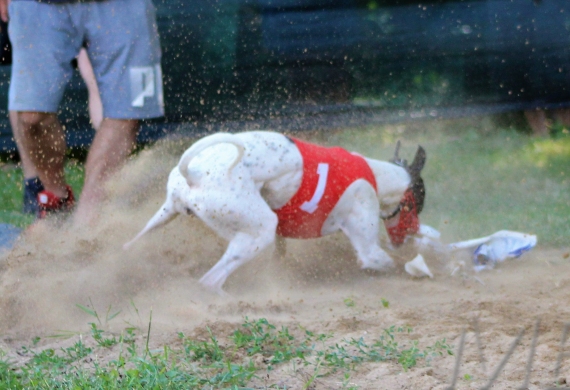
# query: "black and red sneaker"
49 204
32 187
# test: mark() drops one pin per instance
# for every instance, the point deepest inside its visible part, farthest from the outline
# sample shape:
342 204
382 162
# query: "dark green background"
243 60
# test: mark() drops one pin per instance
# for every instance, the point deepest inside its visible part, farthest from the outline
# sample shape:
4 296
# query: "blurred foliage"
559 130
502 180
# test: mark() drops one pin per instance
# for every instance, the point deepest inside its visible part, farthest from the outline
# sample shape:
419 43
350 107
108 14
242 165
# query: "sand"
46 275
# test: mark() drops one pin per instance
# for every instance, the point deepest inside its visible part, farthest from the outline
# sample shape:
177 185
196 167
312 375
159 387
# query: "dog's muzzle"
405 222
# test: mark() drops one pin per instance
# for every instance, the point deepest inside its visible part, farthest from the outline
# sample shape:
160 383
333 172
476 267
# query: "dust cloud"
55 266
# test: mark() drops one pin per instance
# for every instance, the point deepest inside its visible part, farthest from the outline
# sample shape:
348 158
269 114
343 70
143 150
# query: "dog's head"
404 221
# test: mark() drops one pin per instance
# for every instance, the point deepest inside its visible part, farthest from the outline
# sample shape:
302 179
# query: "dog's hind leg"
244 246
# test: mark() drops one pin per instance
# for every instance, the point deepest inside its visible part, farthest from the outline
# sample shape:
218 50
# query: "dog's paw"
218 291
221 293
380 263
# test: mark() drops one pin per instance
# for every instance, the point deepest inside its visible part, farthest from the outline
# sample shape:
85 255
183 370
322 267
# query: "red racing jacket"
327 173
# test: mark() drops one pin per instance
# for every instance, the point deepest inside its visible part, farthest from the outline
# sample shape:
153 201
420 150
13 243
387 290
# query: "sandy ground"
45 276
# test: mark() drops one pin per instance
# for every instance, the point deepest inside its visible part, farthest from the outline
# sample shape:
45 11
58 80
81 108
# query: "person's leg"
42 140
128 72
44 42
95 106
32 185
113 142
28 167
35 123
130 85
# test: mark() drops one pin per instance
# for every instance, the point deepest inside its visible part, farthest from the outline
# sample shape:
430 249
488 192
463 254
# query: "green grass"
208 363
504 180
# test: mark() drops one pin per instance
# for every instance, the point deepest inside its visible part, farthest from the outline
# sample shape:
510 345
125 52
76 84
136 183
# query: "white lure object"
418 267
496 248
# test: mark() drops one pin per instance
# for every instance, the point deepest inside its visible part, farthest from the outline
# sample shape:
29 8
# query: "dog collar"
392 214
404 220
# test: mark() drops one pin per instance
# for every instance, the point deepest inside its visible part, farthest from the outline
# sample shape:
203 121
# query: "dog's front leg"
357 214
364 239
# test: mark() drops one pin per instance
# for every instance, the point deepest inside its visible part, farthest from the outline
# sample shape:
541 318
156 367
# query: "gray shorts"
123 46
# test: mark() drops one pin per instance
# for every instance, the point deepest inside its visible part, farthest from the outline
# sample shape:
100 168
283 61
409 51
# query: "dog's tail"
205 143
165 214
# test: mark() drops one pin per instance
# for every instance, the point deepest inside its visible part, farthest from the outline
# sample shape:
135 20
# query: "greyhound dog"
252 187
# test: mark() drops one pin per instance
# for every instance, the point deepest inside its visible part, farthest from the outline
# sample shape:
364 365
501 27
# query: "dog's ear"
396 159
418 163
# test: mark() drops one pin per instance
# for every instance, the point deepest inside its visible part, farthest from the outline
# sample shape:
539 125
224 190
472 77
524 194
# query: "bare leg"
95 105
113 143
32 183
27 166
41 144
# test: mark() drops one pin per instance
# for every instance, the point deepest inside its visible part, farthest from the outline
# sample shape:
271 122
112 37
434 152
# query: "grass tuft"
209 363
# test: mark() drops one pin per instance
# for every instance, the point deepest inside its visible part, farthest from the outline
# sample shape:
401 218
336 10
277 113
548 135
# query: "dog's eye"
188 211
